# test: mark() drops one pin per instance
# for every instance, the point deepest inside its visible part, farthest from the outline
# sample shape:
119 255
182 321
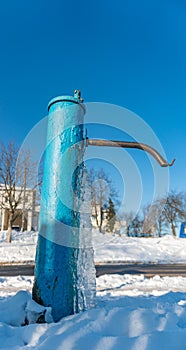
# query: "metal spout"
125 144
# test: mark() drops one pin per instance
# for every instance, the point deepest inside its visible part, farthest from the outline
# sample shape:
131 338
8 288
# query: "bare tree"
102 190
153 218
160 222
124 220
17 172
158 216
174 209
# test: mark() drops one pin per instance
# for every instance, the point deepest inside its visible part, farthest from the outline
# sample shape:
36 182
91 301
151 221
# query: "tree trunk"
96 214
159 228
9 237
101 219
173 229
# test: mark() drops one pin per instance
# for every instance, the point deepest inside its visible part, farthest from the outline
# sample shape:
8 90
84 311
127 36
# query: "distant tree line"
163 216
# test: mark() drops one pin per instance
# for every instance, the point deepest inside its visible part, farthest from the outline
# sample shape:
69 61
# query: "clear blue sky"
127 52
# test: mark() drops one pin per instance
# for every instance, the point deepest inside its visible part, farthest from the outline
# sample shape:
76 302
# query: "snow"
22 248
166 249
132 312
107 248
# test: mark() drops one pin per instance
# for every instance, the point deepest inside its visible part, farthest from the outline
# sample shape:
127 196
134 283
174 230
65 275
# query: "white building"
27 211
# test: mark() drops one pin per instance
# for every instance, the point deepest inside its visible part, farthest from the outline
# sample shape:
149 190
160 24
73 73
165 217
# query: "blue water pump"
64 270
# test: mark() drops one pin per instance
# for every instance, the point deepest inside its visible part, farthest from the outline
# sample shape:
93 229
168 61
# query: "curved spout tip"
165 164
173 161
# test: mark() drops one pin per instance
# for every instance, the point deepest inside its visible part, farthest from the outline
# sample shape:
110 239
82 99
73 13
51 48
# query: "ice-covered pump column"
64 272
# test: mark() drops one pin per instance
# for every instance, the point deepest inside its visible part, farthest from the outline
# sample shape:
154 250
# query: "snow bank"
167 249
117 323
107 248
20 309
22 248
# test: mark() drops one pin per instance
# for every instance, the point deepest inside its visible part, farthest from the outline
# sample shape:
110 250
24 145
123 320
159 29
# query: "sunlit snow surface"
131 313
107 248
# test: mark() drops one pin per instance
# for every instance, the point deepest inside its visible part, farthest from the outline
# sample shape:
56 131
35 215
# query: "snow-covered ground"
107 248
131 313
22 248
167 249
